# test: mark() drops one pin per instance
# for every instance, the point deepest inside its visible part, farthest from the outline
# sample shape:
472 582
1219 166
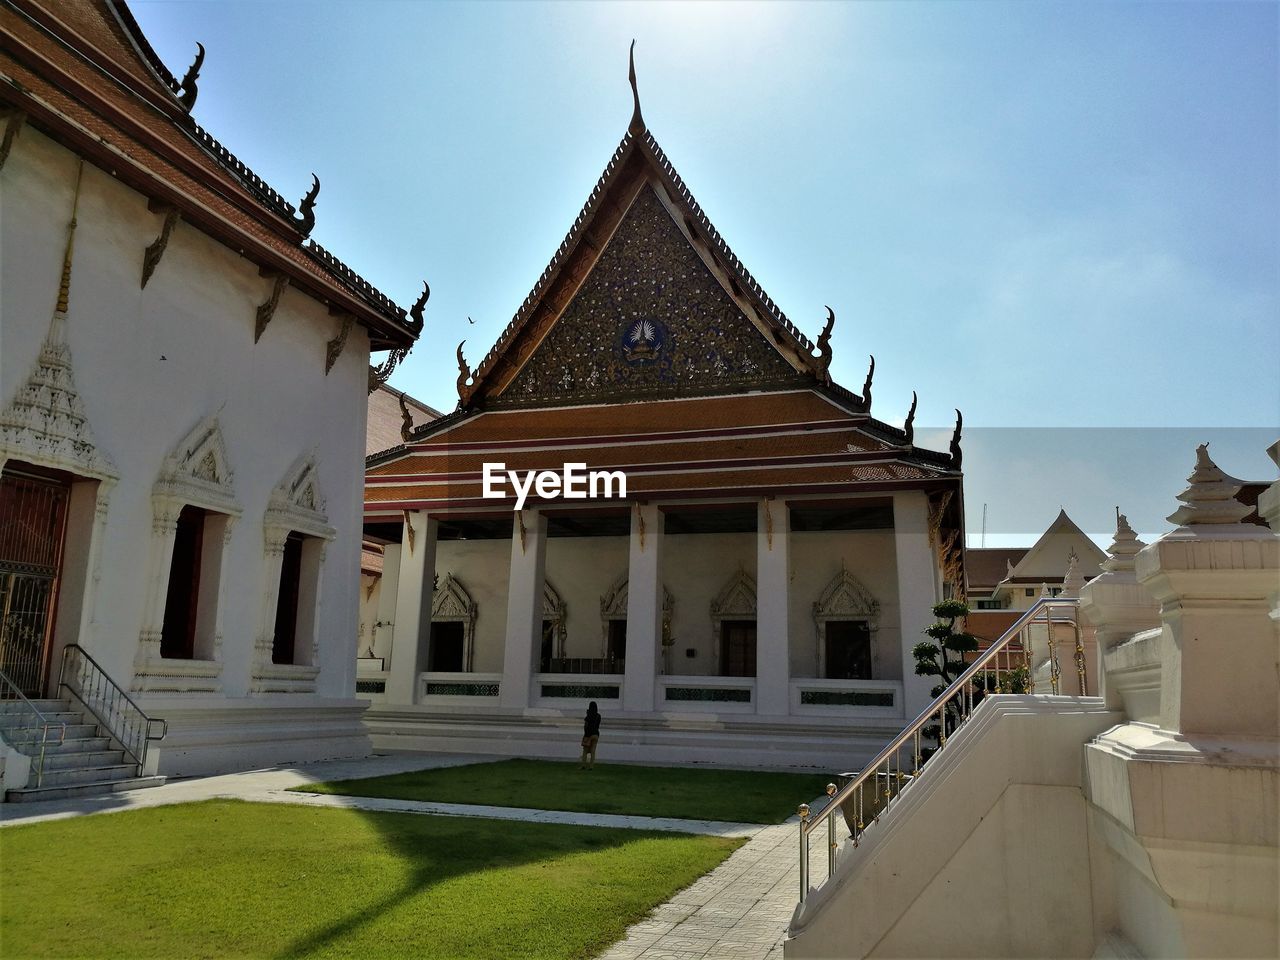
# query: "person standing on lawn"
590 737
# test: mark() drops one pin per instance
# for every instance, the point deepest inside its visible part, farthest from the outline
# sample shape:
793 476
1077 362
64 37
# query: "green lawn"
227 878
739 796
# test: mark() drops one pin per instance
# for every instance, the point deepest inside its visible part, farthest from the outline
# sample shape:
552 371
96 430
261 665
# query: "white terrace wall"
695 568
149 365
1059 826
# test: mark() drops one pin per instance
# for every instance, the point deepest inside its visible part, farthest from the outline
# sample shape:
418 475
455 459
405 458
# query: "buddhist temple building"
759 556
183 388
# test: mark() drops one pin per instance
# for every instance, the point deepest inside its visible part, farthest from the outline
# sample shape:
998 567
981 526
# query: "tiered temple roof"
647 347
84 74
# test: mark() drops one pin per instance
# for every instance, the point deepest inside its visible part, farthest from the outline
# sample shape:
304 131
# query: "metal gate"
33 513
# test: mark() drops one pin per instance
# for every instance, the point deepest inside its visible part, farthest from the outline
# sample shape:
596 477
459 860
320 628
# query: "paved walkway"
739 911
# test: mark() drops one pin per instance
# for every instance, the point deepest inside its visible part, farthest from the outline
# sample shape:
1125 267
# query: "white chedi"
1210 496
1124 547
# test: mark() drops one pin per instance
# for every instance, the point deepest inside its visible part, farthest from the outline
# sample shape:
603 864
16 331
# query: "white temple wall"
582 569
695 568
483 568
815 560
150 364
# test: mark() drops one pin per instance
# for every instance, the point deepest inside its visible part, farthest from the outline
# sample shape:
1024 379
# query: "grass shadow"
231 878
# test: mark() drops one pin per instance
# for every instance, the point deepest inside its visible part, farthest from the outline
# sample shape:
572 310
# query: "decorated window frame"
196 473
295 508
845 598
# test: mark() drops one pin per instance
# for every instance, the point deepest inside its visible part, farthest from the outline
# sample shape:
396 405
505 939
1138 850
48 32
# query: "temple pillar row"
917 590
524 608
415 582
644 608
773 588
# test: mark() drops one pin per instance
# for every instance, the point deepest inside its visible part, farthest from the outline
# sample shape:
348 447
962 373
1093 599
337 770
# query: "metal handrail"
960 691
43 723
114 709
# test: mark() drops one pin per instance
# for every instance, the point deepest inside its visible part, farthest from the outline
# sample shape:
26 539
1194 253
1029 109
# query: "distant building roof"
987 566
386 418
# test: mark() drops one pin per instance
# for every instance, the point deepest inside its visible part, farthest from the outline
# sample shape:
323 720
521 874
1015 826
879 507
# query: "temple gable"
649 321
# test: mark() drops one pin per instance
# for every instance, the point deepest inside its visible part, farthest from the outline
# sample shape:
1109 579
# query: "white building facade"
752 598
183 379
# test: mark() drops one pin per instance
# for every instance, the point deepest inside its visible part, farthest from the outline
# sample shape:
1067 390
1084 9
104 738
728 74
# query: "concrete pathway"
739 911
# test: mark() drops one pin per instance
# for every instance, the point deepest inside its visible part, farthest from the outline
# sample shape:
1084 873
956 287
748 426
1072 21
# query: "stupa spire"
1124 547
1210 496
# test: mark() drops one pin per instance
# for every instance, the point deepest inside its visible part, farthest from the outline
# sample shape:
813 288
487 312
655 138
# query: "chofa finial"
910 426
307 221
406 426
416 310
866 384
188 83
464 374
824 347
957 455
636 126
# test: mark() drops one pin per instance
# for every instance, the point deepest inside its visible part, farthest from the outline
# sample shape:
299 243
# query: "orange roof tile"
70 67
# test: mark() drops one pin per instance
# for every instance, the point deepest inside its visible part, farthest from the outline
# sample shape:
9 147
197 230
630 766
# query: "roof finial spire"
824 347
636 126
909 428
957 455
188 83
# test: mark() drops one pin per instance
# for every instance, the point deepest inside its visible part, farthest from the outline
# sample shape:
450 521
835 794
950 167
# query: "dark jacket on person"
591 726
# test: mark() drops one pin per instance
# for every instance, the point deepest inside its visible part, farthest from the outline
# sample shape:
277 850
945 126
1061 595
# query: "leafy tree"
943 656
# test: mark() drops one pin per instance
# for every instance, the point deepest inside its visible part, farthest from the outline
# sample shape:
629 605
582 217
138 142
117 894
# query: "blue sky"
1048 215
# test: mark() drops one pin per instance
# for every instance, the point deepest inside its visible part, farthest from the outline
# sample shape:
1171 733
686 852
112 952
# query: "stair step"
82 759
74 731
78 775
44 706
92 744
95 788
15 720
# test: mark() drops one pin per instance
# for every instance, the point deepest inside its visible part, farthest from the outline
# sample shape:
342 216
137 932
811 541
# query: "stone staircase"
86 763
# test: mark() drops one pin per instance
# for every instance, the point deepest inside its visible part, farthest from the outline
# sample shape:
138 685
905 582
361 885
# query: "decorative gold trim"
768 525
333 350
64 285
267 309
13 123
409 531
640 525
151 256
520 526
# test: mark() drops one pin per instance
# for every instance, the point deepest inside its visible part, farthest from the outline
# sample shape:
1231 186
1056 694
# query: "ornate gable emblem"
296 504
197 472
643 340
649 320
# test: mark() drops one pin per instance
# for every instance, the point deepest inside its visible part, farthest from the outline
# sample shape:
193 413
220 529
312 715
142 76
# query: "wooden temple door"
33 514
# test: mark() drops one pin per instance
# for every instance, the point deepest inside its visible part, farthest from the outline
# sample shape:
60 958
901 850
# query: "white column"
917 590
412 629
773 580
644 608
524 607
387 594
